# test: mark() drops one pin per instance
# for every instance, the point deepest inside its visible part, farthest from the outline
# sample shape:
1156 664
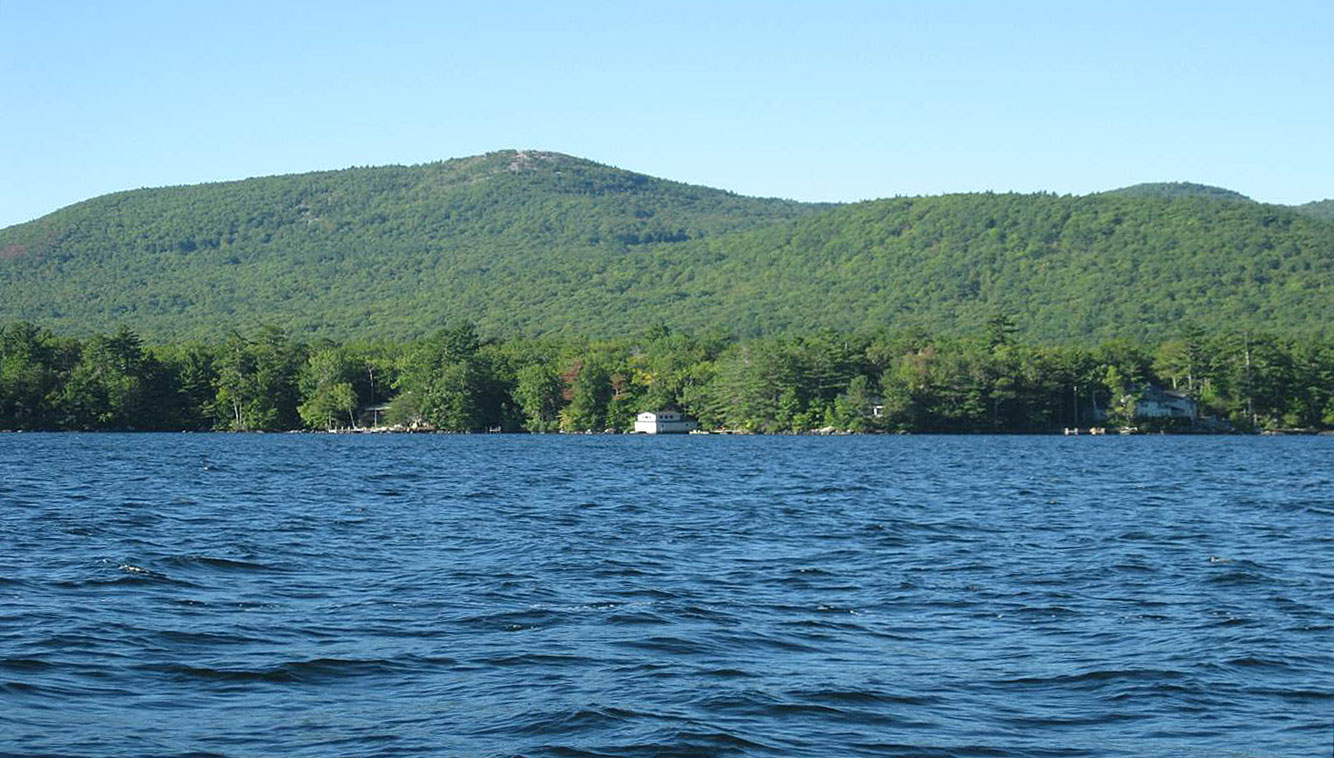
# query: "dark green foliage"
591 391
540 243
1175 190
449 382
31 365
782 384
1323 209
111 385
537 392
455 381
188 395
366 252
327 386
1068 269
257 382
961 313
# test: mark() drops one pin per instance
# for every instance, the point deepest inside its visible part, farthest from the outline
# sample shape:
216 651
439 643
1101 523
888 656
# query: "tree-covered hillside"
542 243
1174 190
390 252
1320 209
1067 268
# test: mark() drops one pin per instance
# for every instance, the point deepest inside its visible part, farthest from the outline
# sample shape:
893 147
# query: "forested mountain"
1320 209
524 242
1067 268
511 239
1173 190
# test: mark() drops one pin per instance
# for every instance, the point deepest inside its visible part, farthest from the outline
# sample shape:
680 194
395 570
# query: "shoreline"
719 433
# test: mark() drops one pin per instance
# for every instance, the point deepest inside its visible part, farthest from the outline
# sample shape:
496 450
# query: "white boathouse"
663 422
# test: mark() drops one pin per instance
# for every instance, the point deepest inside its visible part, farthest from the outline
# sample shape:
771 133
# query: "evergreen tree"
328 398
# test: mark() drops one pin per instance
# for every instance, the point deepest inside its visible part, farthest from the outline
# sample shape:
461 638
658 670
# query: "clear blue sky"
813 101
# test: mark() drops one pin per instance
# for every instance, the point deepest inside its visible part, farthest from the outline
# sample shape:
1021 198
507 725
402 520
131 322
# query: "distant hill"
1320 209
535 242
1066 267
1174 190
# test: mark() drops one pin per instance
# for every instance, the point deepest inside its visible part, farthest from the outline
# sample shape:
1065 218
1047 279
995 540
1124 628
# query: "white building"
1155 402
663 422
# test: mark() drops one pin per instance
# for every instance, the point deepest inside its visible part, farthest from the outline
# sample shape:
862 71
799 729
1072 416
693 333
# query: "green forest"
459 381
533 291
540 245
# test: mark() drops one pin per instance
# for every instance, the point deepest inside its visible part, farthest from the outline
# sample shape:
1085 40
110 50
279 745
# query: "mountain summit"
1179 190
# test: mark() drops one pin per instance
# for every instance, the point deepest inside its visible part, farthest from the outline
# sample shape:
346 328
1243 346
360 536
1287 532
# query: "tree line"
457 380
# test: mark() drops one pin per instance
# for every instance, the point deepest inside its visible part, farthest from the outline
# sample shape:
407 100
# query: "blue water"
295 595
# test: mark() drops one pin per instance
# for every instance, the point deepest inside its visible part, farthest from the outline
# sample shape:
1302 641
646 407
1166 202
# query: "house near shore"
1150 403
372 416
1157 403
664 422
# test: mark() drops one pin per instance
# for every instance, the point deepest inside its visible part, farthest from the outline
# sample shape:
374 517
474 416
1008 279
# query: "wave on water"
212 562
507 595
314 671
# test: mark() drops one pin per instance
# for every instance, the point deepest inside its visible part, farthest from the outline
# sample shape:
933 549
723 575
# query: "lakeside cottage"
663 422
1156 402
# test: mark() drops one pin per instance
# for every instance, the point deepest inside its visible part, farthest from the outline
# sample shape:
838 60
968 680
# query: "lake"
319 595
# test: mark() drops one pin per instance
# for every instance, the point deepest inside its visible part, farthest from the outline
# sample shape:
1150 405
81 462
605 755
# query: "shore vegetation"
459 380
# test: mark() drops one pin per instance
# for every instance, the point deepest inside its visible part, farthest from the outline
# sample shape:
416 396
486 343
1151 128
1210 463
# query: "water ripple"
259 595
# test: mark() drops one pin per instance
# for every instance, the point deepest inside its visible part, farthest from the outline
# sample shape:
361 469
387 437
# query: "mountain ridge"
526 158
533 242
1179 190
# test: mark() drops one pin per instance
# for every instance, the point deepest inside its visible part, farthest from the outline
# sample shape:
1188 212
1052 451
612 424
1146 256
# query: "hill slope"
1320 209
392 251
540 242
1175 190
1066 267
